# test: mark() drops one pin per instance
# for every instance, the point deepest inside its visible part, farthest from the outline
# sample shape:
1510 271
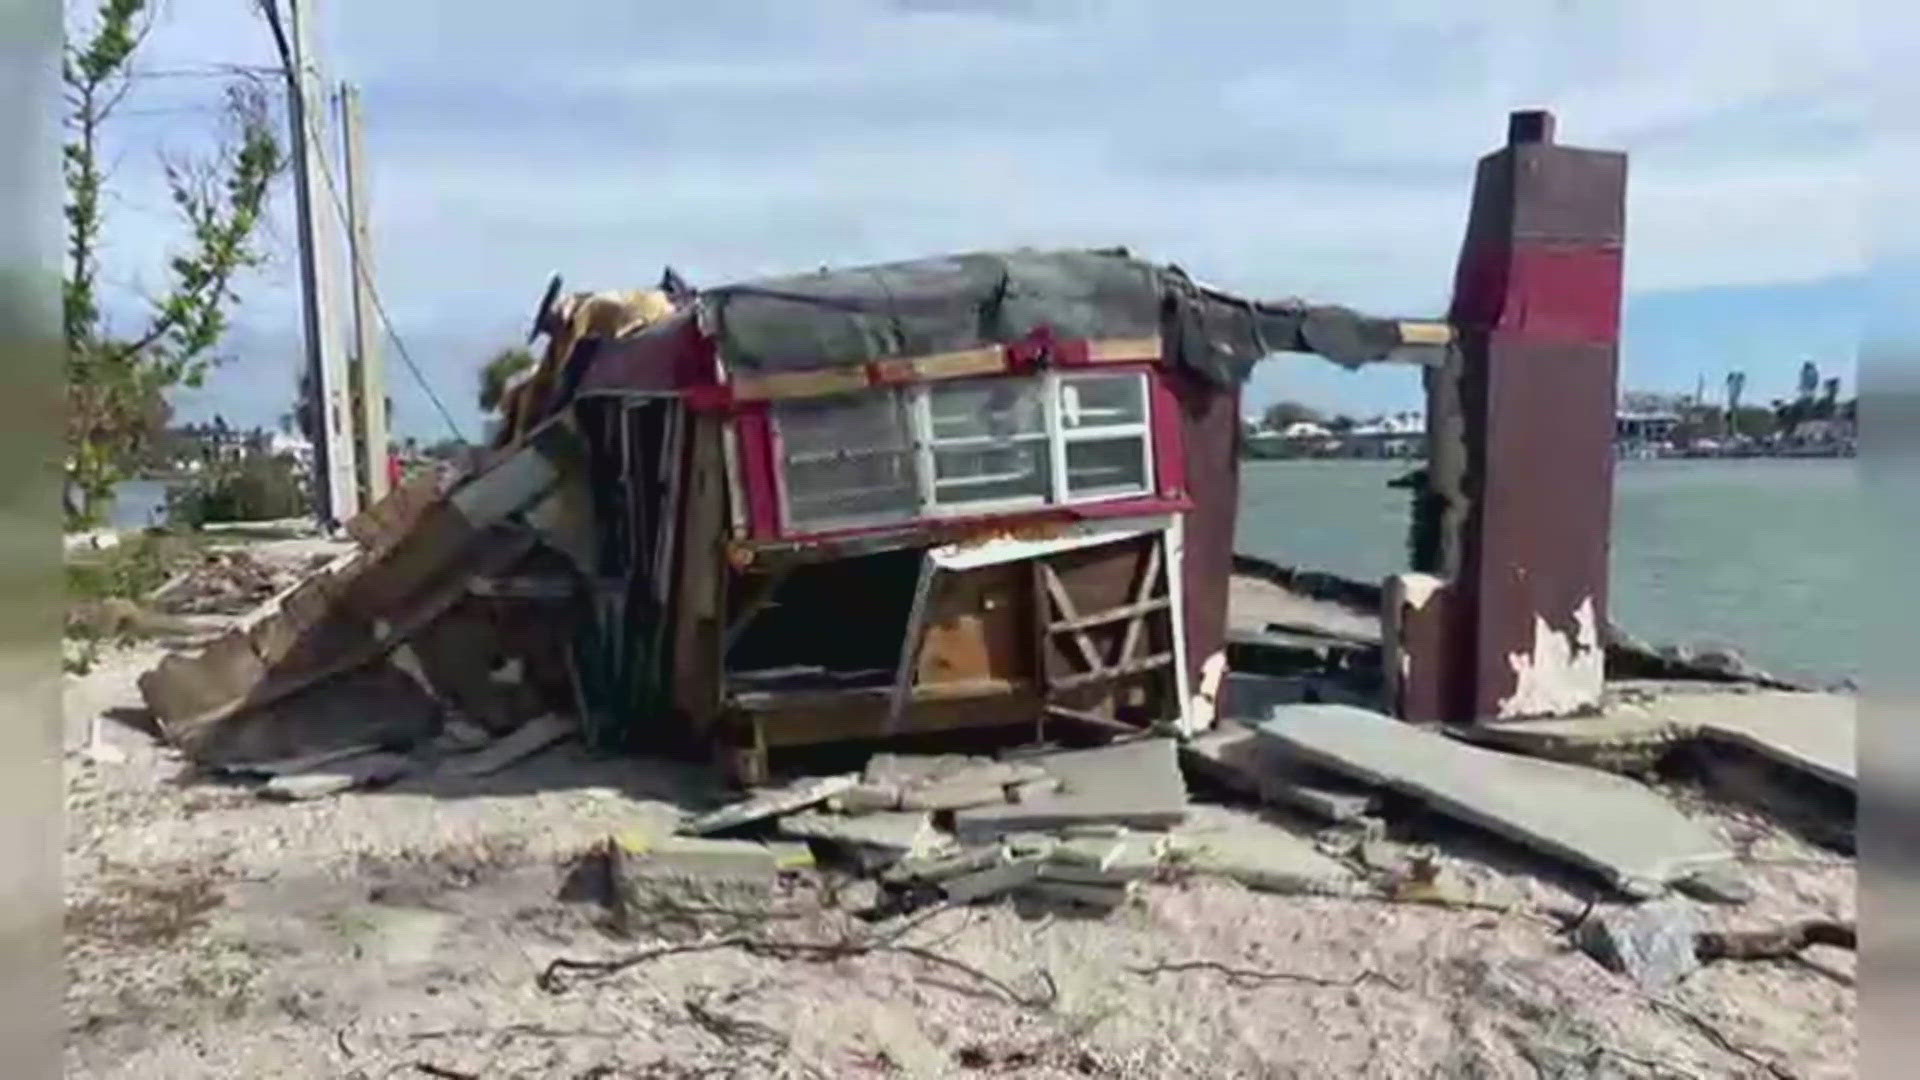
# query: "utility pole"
369 369
335 490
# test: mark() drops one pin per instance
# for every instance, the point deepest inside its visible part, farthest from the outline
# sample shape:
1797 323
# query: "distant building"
1644 429
1401 434
297 447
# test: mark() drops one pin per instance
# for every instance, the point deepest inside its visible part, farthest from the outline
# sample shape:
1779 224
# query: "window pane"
987 408
1107 466
866 420
990 473
848 458
1102 401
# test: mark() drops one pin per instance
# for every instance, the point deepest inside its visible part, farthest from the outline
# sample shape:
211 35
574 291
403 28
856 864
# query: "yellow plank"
1124 350
1425 333
799 384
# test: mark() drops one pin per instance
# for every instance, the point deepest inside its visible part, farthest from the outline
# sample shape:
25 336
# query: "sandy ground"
214 934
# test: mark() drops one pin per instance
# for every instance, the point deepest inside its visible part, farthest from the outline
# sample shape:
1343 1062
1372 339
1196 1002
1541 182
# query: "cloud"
1319 150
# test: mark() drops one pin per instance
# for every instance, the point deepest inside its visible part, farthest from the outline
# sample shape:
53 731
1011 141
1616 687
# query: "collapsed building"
989 490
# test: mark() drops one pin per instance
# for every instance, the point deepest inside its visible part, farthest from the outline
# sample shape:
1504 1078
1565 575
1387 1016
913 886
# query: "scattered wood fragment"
1720 1038
428 1068
1778 944
554 978
1257 975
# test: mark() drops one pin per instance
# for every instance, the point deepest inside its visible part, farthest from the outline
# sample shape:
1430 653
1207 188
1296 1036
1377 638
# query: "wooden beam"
1125 350
1065 603
1131 667
1101 618
1148 581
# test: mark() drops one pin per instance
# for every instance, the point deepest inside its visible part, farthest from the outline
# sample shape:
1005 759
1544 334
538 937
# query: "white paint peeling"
1205 706
1418 589
1564 672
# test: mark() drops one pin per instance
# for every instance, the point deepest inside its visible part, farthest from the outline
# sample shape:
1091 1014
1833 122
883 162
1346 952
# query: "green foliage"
255 486
498 372
117 382
1283 413
130 570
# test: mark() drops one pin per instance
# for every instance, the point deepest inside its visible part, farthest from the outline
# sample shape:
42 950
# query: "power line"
373 290
209 71
270 8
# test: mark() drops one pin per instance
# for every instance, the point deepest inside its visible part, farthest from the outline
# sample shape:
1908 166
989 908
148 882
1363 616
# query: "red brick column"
1526 412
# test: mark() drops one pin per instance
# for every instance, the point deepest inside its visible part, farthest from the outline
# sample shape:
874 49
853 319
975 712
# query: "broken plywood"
1605 823
365 770
529 739
353 611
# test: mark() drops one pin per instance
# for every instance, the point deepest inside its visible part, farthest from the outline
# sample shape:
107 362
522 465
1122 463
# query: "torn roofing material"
954 303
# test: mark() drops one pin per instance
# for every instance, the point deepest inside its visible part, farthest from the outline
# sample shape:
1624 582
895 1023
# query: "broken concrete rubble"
771 803
1002 876
1234 757
1258 856
1134 783
1653 944
1601 822
676 874
874 840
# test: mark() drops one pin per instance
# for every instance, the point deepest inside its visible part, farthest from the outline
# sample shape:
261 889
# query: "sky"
1272 148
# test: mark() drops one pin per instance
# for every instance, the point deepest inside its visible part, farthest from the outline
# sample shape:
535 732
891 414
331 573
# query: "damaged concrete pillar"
1521 420
1414 631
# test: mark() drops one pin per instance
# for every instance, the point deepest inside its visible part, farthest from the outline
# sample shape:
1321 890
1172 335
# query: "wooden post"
370 372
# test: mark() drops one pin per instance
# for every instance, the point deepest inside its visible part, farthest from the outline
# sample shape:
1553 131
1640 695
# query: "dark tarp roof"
835 318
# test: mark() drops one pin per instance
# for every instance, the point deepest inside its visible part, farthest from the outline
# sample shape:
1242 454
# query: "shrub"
256 486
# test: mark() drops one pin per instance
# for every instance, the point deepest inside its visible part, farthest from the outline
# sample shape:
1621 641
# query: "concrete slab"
652 873
1815 733
1605 823
1002 877
1259 856
1135 783
1105 861
1619 727
942 868
1099 897
772 802
1233 756
883 837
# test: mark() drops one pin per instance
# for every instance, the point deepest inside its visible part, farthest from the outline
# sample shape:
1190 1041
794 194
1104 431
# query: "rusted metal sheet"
1537 302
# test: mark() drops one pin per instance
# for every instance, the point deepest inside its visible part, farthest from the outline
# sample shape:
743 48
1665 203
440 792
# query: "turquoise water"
138 504
1756 554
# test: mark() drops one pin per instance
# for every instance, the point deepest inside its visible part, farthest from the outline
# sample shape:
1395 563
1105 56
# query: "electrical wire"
271 10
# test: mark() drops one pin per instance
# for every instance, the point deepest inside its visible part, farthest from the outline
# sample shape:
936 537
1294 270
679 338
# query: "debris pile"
1072 828
224 582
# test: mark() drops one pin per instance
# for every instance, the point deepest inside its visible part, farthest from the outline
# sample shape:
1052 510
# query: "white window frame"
1062 436
917 399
